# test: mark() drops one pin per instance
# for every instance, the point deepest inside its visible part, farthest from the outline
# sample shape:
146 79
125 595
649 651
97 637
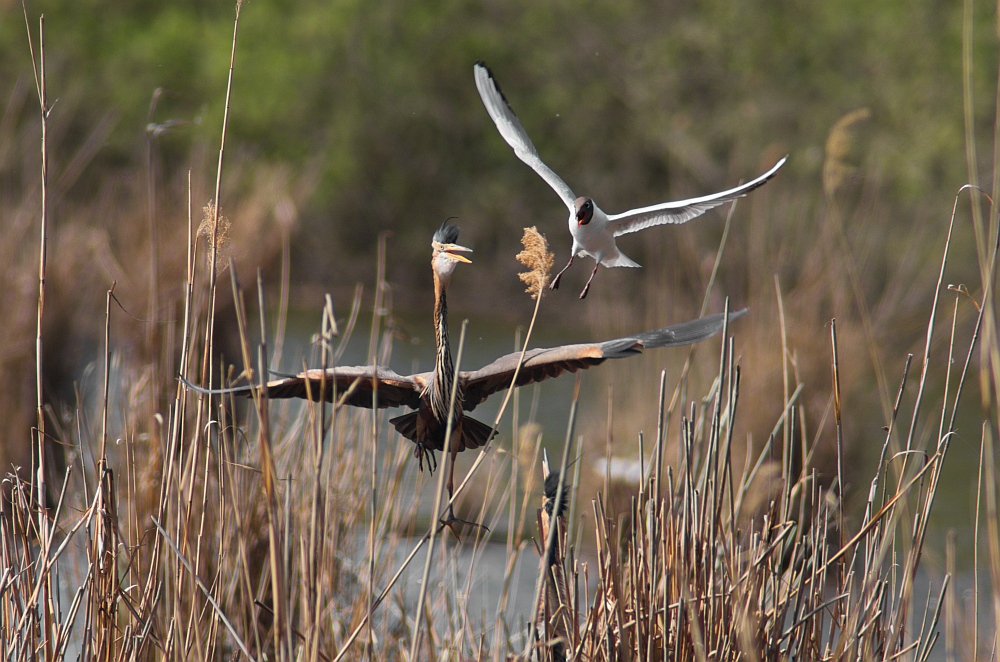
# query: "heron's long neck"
444 369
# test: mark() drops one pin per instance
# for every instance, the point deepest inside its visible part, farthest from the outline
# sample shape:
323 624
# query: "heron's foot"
421 452
586 288
451 521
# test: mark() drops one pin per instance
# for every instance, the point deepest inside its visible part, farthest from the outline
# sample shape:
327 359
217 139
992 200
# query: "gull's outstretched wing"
510 128
682 211
541 364
394 390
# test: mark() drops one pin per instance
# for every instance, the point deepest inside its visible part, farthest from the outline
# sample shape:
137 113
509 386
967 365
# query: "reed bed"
258 530
689 572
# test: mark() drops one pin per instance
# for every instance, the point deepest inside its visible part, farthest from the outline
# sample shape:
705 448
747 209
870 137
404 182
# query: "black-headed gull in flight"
593 230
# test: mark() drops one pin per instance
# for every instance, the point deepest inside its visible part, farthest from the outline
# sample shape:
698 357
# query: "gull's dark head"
447 253
584 210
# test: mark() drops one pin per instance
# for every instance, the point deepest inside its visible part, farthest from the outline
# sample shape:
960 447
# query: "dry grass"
207 538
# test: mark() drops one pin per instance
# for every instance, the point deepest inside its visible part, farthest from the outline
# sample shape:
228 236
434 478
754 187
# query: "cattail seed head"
219 234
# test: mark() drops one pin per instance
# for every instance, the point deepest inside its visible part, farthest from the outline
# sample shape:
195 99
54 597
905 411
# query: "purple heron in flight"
429 393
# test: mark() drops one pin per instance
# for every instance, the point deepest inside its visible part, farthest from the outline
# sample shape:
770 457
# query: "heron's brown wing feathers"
394 390
541 364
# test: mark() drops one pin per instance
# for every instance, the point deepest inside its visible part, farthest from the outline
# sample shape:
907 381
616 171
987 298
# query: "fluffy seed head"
217 233
539 260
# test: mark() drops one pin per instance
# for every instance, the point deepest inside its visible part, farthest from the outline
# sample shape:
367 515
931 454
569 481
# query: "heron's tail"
406 425
474 433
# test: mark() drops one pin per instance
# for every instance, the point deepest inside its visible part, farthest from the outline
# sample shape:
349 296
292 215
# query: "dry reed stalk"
373 358
40 439
317 431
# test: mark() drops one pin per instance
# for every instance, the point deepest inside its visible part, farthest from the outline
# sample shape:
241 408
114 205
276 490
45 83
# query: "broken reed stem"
986 303
107 372
837 414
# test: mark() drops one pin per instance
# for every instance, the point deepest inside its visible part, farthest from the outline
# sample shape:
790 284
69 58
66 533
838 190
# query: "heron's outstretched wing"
682 211
541 364
394 390
510 128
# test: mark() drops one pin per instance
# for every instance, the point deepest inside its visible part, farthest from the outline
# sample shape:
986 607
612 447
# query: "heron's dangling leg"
451 521
421 452
587 286
554 285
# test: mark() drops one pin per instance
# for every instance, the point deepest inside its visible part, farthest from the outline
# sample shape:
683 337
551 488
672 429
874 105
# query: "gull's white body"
595 240
593 230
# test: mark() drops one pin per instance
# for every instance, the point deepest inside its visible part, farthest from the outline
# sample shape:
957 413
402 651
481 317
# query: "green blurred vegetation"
634 101
349 119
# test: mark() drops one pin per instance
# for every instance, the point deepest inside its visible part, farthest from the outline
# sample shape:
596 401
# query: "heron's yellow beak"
453 251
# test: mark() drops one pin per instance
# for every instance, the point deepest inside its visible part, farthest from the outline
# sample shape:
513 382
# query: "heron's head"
447 254
584 210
